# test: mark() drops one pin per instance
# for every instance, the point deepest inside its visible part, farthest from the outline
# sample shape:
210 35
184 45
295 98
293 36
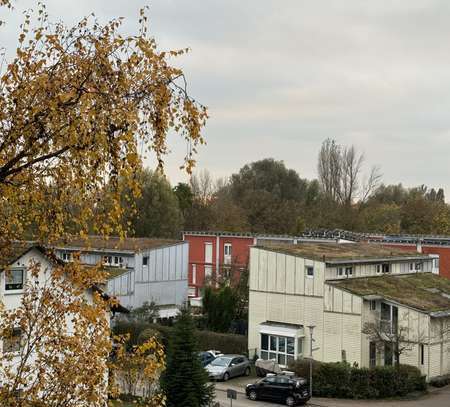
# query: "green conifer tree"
185 381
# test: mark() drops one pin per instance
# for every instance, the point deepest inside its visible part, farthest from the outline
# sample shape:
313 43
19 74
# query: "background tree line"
267 197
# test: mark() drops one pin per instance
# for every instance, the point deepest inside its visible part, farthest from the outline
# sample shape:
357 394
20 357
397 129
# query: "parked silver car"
227 366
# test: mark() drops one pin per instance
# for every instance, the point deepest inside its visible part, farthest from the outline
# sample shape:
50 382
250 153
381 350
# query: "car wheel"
247 372
252 395
226 376
290 401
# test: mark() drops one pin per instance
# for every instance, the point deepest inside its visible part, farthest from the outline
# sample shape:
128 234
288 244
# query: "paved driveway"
437 398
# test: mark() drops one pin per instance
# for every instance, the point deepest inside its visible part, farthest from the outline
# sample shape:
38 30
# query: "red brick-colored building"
210 251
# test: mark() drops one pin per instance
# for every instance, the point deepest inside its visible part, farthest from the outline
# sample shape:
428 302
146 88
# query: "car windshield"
221 362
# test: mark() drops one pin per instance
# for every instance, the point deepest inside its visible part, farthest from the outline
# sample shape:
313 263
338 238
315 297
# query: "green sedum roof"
423 291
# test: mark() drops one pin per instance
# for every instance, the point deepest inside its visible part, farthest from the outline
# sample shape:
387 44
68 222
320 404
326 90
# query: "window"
280 348
14 279
349 271
118 260
388 354
385 268
411 266
418 266
66 256
145 261
309 271
389 317
340 271
194 274
372 354
227 249
12 342
107 260
422 353
378 268
373 305
227 253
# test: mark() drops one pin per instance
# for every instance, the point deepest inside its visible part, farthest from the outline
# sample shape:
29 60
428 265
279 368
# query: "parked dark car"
226 366
289 390
206 357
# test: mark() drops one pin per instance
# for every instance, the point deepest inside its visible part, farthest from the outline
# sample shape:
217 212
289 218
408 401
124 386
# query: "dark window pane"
282 344
264 341
290 345
264 355
273 343
281 359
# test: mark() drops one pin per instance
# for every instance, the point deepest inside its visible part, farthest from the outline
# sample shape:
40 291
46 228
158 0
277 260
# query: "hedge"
344 381
226 343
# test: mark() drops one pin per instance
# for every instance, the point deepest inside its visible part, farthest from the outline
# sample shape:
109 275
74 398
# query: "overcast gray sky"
281 76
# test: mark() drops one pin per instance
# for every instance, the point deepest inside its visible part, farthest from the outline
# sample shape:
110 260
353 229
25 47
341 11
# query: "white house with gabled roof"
337 289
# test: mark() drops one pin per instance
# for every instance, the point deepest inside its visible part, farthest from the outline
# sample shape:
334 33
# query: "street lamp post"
311 340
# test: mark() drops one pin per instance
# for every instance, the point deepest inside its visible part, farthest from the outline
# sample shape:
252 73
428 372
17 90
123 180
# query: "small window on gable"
309 271
14 279
12 342
145 261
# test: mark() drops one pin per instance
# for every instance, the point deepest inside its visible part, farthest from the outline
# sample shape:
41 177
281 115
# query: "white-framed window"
118 261
385 268
340 271
280 348
145 261
373 305
227 248
411 266
13 341
378 268
67 257
309 271
14 279
349 271
418 266
194 274
107 260
191 291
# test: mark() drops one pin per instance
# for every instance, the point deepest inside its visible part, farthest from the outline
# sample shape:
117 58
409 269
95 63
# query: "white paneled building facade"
338 289
140 269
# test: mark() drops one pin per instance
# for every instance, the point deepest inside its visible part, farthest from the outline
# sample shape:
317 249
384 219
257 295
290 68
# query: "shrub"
440 381
344 381
226 343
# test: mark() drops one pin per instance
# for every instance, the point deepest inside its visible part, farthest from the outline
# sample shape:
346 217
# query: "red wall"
443 252
240 250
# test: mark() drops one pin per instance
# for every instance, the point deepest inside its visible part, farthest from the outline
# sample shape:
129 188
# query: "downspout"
217 256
